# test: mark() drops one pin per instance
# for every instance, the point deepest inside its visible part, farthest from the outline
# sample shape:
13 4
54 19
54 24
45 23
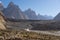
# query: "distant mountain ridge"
14 12
44 17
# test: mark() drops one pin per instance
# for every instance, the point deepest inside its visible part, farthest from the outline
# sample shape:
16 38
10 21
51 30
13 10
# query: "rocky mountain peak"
13 11
11 4
57 17
30 10
31 14
1 6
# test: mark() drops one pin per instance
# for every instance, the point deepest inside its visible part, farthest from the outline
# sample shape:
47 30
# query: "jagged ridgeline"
13 11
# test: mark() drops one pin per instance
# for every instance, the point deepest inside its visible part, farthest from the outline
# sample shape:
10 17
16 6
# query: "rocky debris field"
25 35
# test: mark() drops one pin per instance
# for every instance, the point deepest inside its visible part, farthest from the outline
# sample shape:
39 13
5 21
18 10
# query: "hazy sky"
44 7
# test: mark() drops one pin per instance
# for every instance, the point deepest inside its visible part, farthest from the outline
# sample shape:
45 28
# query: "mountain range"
12 11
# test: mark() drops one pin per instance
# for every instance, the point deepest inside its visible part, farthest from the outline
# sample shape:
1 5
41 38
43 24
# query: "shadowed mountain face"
57 17
13 11
31 14
1 7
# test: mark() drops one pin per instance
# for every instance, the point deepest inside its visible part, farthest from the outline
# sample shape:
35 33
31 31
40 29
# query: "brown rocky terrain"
46 25
2 21
12 29
12 32
34 24
25 35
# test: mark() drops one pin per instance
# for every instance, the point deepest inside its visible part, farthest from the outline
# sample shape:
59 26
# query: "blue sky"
43 7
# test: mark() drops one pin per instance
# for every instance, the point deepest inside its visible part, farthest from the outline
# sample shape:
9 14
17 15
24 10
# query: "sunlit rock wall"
2 21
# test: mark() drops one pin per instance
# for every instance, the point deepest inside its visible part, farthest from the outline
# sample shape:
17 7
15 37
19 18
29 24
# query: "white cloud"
0 2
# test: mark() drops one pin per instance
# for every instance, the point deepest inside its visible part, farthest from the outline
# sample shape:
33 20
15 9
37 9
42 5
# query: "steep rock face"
2 21
31 14
57 17
13 11
1 7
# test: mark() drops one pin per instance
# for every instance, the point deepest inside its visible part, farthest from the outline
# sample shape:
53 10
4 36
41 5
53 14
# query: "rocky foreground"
25 35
